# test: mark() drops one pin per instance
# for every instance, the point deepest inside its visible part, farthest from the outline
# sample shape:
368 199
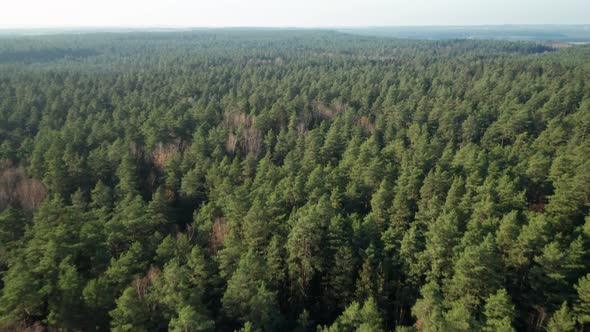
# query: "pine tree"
441 238
69 309
428 310
357 318
582 304
56 177
12 227
365 285
561 320
101 197
458 318
263 309
128 175
276 262
189 320
476 274
499 312
131 313
304 246
21 297
243 286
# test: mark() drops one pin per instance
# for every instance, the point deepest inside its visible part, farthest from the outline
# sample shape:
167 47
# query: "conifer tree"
499 312
561 320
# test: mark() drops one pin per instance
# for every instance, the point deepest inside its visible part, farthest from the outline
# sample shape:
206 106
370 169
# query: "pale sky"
288 13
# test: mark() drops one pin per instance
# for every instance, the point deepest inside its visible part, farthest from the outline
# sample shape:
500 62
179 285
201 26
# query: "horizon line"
184 27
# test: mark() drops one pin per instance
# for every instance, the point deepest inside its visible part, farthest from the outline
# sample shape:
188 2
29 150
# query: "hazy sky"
301 13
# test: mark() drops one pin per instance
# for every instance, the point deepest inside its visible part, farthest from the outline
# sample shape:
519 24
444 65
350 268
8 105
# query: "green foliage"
582 304
131 313
304 245
562 320
477 275
283 180
499 312
357 318
190 320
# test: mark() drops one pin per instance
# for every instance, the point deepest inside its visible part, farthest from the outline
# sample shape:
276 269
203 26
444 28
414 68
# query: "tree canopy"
297 180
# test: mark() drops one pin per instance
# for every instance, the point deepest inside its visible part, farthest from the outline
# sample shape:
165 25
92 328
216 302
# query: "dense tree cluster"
293 180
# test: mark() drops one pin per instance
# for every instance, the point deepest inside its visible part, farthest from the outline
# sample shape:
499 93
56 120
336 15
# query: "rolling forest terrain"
294 180
539 33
